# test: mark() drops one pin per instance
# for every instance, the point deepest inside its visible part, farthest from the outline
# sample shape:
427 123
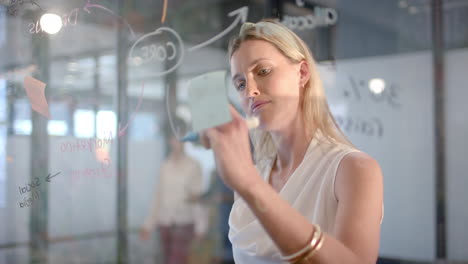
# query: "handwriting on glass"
170 50
29 186
27 202
90 5
70 18
90 144
32 187
158 52
102 171
14 5
358 89
370 127
322 17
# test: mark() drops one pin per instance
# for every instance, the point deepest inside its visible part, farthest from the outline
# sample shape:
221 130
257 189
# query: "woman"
310 197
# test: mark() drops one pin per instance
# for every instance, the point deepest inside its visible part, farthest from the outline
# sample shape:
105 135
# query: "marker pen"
252 122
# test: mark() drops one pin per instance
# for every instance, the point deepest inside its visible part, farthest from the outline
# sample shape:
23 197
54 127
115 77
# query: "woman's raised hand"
230 144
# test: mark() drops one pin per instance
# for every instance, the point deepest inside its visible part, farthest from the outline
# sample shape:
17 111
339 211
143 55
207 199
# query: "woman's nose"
252 89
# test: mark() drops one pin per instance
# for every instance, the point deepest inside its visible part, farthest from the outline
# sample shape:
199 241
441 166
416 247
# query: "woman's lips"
258 105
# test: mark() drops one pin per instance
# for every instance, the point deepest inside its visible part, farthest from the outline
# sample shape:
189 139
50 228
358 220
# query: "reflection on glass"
51 23
143 127
57 128
22 127
376 85
106 122
84 123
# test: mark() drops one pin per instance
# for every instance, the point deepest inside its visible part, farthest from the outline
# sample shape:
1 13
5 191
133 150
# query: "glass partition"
93 91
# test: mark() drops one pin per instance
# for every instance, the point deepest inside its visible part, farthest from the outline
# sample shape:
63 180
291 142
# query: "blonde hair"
314 106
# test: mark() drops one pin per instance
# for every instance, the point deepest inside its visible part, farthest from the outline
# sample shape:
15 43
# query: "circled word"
159 52
321 17
171 50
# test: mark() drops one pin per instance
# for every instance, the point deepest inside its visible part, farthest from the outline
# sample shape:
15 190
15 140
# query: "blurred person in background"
173 207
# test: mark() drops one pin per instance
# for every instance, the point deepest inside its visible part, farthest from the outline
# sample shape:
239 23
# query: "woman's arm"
356 233
358 188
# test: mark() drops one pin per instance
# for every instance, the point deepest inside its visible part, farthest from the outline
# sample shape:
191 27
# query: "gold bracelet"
307 249
312 245
314 251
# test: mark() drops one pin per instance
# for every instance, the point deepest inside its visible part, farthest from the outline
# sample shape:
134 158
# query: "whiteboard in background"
396 128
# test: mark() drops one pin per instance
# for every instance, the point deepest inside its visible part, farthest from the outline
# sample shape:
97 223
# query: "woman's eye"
240 86
263 71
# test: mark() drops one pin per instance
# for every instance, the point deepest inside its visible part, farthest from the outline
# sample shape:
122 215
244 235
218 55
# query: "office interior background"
89 108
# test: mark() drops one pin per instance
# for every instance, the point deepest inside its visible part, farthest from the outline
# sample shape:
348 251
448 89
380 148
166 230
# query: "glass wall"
91 94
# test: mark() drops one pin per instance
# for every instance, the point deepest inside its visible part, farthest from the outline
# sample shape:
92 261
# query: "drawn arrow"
241 18
163 18
89 5
36 4
122 130
50 177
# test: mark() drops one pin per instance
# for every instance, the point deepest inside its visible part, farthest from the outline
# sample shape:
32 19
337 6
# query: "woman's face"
268 84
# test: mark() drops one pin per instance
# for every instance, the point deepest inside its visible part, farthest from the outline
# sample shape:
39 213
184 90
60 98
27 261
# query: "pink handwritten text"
90 144
104 171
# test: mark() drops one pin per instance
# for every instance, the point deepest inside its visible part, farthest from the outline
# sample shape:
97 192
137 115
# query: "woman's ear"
304 72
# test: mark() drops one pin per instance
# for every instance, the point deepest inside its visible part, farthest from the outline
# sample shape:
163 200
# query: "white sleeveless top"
310 190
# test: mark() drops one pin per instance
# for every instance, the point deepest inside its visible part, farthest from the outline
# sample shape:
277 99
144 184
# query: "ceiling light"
51 23
376 85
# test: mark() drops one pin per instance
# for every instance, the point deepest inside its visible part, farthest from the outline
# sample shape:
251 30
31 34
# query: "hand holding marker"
252 123
206 94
